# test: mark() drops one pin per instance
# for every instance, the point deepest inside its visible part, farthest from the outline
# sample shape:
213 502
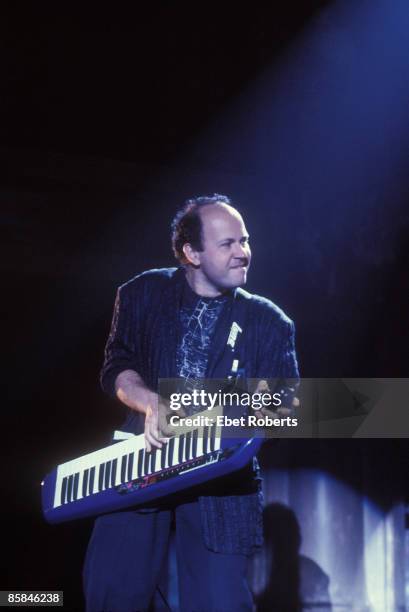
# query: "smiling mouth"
243 265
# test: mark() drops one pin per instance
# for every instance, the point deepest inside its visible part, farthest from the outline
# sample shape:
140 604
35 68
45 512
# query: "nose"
241 251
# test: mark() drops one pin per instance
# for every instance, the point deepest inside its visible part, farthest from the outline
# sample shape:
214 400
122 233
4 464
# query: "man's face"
225 260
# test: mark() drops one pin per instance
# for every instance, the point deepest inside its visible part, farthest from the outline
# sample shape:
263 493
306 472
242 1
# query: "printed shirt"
198 317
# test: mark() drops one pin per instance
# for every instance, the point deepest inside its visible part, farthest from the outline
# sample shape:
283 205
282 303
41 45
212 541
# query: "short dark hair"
187 224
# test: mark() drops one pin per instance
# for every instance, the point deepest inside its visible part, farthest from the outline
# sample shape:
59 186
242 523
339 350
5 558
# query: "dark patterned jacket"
144 338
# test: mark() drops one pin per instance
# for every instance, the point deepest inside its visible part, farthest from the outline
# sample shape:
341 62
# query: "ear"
191 255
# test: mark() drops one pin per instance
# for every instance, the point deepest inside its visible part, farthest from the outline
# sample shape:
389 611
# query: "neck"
199 284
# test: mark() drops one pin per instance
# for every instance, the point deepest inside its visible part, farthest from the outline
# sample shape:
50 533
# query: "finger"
152 439
150 444
147 445
284 411
262 386
152 423
267 412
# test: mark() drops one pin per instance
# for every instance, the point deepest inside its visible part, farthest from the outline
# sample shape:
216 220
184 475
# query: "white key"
184 450
143 462
118 472
135 466
199 451
174 459
156 460
58 486
218 440
80 481
95 487
166 451
191 447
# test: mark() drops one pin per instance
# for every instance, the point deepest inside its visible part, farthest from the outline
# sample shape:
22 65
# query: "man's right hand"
132 391
157 429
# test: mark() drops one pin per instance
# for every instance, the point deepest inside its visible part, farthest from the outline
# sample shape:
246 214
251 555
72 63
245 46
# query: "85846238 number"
31 598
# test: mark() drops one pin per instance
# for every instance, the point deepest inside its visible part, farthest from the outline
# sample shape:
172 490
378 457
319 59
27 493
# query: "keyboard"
125 475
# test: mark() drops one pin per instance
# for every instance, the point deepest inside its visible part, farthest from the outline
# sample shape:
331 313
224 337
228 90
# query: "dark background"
108 121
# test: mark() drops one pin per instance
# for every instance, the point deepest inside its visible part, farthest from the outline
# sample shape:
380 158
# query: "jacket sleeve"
288 360
277 355
122 347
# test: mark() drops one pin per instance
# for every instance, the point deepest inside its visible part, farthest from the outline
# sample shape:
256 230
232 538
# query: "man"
176 323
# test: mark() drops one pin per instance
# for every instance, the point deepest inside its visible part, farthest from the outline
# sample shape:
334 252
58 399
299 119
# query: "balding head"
187 224
216 253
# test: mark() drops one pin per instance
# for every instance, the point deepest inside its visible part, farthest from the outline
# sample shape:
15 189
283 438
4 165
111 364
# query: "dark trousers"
126 554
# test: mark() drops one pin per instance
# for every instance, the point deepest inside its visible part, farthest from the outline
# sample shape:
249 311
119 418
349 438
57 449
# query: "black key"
69 488
91 480
154 454
171 445
107 474
113 472
146 464
75 486
130 465
205 436
123 468
163 452
64 490
85 483
181 447
194 442
101 476
188 443
212 438
140 462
